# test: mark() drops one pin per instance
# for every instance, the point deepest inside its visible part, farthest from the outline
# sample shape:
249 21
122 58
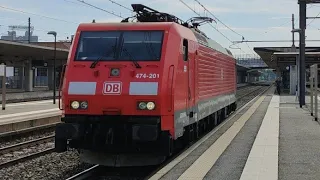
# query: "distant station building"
12 34
255 64
29 64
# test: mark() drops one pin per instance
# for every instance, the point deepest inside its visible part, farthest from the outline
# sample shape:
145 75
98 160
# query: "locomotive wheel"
234 107
196 127
219 116
189 135
216 119
60 145
226 109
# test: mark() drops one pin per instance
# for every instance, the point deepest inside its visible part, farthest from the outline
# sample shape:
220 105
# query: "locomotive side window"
185 50
120 46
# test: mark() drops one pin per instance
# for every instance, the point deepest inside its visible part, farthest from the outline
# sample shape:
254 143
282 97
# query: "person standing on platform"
278 84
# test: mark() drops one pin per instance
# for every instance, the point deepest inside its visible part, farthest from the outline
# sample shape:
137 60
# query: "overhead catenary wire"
251 49
217 18
211 25
39 15
313 19
275 41
83 4
35 29
109 12
73 2
243 38
120 5
281 25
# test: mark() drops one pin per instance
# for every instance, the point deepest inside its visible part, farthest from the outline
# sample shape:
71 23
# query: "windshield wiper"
130 56
136 64
112 50
94 63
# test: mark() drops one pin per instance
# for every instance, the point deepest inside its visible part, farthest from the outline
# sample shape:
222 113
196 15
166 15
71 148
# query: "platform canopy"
254 72
15 51
281 57
241 68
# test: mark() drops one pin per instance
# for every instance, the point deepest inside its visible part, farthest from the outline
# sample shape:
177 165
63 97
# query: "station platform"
269 138
18 116
12 97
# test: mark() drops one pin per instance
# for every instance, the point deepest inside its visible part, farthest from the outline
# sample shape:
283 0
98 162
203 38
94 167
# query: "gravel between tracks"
51 166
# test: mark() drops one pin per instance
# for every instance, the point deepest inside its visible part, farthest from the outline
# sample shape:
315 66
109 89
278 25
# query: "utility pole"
302 49
54 65
302 64
54 70
293 45
29 30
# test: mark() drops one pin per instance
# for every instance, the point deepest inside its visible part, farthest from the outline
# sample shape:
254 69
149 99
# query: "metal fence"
12 82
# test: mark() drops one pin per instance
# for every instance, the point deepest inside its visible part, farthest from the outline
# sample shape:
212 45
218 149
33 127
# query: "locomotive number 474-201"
147 76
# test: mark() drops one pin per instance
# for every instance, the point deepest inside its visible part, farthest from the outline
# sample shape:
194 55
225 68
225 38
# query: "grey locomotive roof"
204 40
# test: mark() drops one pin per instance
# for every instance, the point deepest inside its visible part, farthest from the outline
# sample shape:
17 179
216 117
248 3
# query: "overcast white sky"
254 19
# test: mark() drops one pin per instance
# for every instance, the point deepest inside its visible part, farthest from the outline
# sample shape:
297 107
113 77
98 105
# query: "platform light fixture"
54 64
296 31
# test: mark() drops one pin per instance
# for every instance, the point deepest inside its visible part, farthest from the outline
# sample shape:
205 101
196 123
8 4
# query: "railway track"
247 91
86 173
99 172
23 133
24 145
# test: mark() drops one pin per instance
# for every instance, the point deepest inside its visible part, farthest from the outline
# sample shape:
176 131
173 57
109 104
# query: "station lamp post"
301 69
54 65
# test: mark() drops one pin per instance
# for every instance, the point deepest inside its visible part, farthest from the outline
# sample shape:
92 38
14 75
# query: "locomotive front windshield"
120 46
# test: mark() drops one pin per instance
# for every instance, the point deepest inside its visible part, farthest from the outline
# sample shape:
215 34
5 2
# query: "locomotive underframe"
113 134
128 140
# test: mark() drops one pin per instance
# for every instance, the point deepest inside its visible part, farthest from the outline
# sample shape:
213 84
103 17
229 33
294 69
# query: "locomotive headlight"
151 105
84 105
75 104
142 105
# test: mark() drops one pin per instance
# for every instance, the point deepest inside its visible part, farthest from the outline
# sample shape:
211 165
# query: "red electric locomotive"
135 91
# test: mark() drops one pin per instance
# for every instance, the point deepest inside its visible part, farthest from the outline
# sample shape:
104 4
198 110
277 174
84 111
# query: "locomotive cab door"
189 68
186 70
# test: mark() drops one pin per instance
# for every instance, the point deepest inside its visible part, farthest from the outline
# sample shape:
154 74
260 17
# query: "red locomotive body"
133 91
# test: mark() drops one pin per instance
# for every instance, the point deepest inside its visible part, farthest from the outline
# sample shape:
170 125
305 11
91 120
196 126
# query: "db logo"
112 88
